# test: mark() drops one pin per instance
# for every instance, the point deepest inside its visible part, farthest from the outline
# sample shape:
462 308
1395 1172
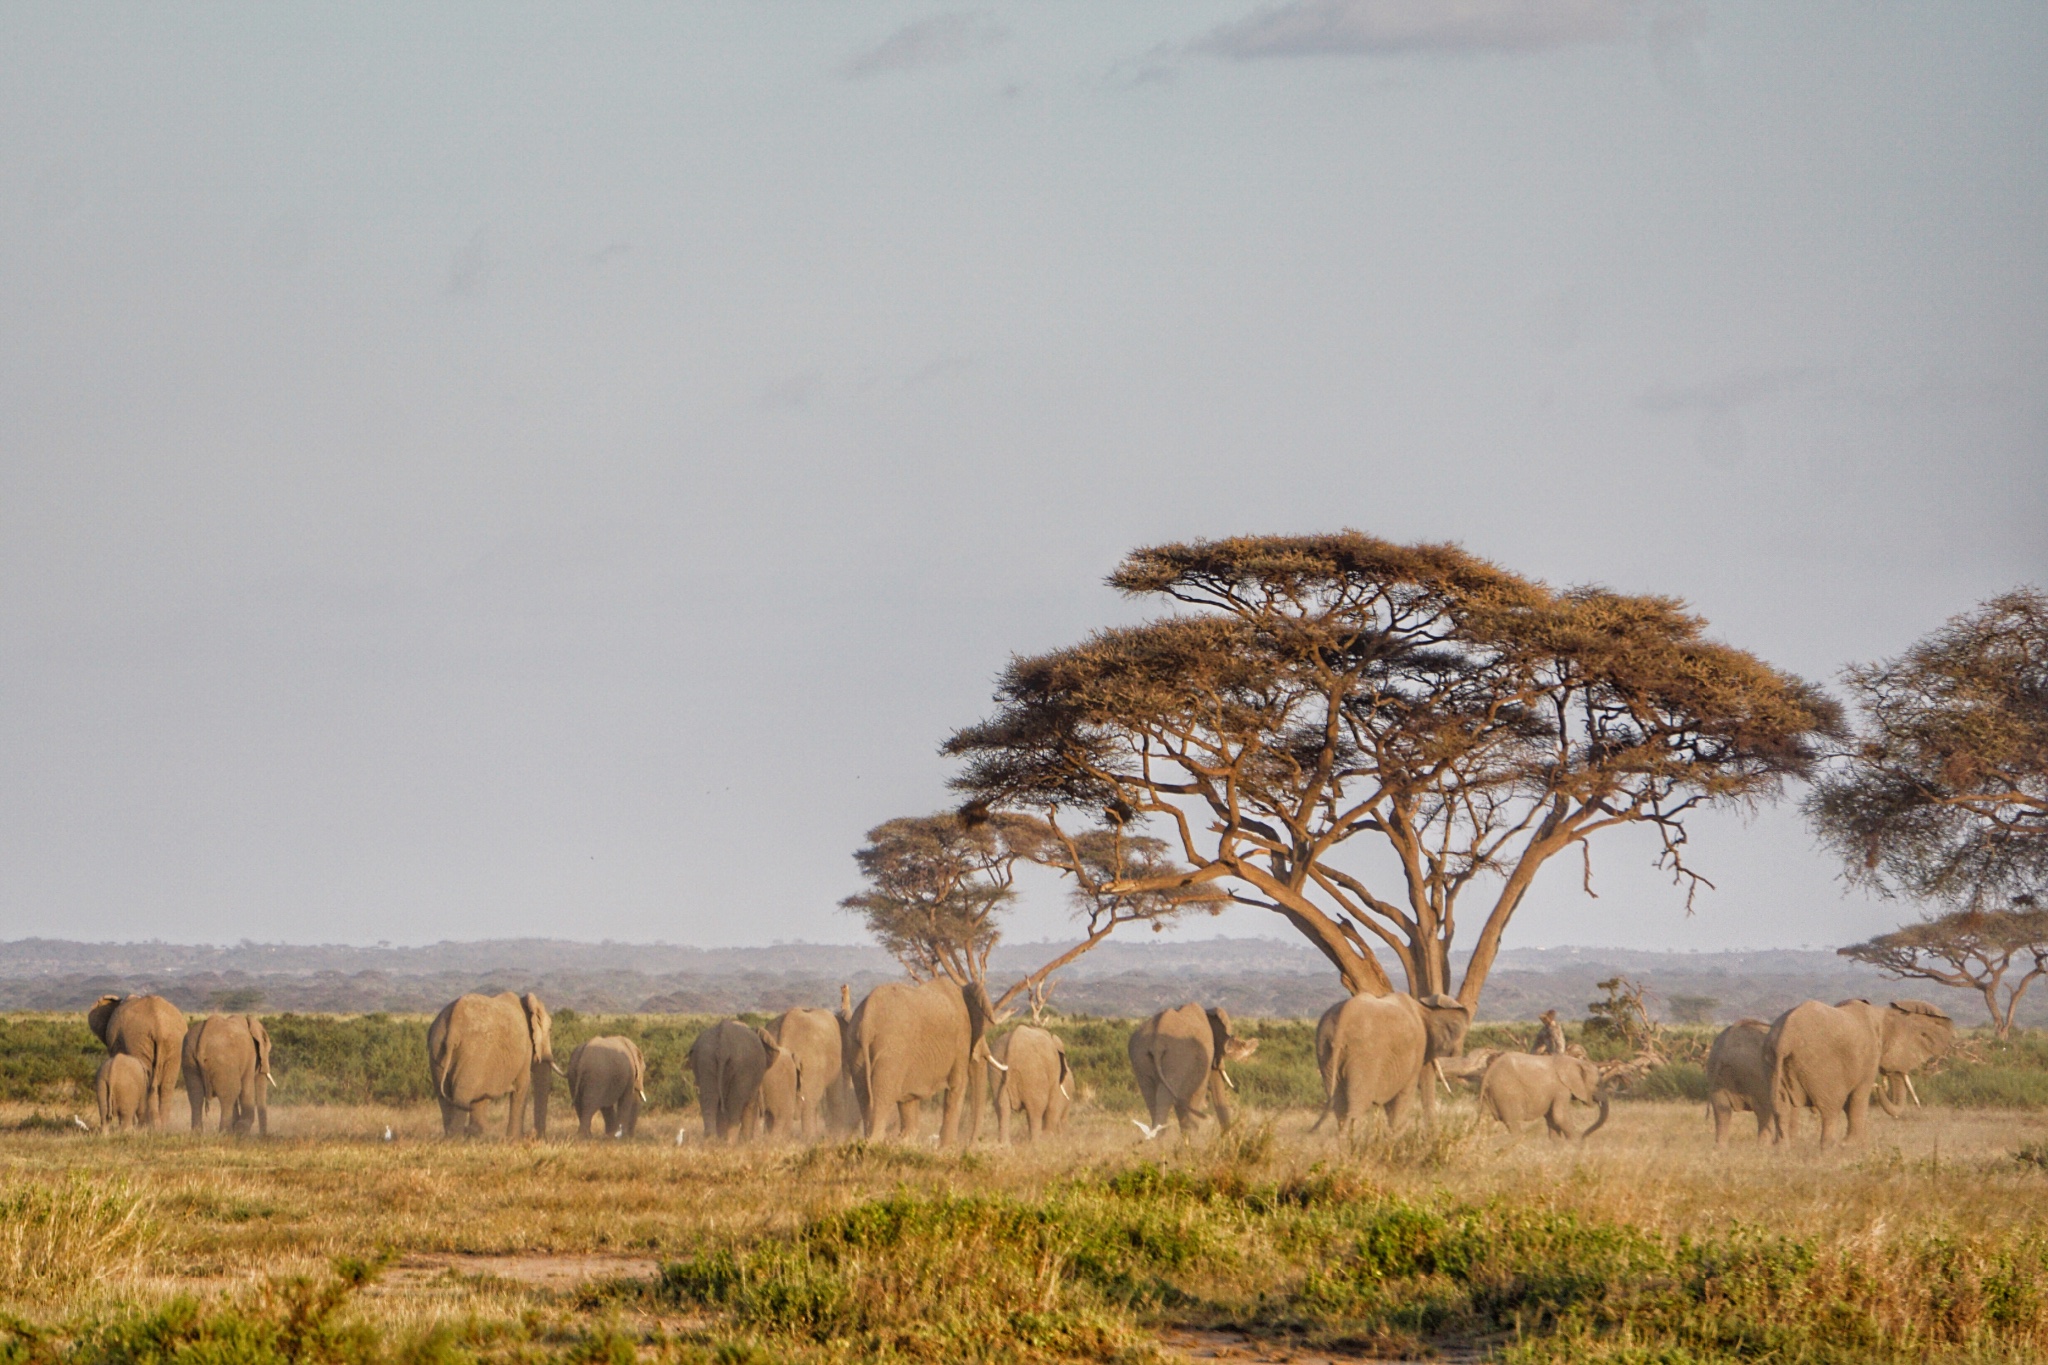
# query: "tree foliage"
1969 950
1353 733
1943 795
938 885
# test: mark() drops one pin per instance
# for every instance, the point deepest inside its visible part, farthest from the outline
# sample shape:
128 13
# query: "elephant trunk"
1882 1093
1601 1097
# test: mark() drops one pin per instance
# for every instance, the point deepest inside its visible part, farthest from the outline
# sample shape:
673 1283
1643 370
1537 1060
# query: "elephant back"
480 1047
923 1034
1378 1044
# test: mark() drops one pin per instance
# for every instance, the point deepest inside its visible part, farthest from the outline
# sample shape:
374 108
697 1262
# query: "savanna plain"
328 1242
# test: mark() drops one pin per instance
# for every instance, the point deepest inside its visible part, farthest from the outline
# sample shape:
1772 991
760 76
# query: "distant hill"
1249 976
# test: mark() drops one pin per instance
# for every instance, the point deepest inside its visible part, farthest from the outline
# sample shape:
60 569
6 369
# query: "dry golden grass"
136 1217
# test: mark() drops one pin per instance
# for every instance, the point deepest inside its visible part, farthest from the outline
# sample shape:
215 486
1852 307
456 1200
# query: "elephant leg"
1830 1119
1218 1104
907 1113
1724 1118
1397 1110
450 1113
611 1119
475 1126
750 1121
583 1121
1003 1115
1859 1112
195 1091
1559 1118
1034 1122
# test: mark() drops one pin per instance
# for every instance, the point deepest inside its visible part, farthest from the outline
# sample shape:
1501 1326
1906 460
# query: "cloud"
936 41
1723 439
1307 28
1733 391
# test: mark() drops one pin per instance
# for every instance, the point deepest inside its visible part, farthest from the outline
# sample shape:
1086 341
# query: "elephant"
1739 1078
908 1043
486 1047
150 1029
1836 1058
1031 1076
1378 1051
1178 1056
1914 1034
226 1058
744 1075
1519 1086
817 1040
122 1088
1825 1056
607 1076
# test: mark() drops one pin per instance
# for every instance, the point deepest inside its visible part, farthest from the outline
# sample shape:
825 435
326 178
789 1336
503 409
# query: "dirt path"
1236 1348
540 1272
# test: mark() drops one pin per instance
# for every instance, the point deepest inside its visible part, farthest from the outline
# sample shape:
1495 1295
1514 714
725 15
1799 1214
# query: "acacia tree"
936 886
1317 700
1943 794
939 883
1969 950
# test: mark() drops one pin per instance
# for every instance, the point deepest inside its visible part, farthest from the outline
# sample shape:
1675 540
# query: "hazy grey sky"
493 469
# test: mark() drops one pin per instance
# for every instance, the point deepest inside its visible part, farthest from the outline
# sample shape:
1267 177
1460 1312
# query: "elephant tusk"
1910 1090
1064 1091
1439 1063
558 1068
1226 1078
997 1065
643 1096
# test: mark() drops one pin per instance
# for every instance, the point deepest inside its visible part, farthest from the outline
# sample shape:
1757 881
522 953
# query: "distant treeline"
381 1059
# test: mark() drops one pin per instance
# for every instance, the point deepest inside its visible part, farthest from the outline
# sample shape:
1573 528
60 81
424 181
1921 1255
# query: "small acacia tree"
938 885
1943 794
1315 697
1969 950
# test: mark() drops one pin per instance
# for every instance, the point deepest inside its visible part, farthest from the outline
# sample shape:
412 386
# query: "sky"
500 469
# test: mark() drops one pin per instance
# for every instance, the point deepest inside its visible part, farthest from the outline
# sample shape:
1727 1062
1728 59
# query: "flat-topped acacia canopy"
1315 697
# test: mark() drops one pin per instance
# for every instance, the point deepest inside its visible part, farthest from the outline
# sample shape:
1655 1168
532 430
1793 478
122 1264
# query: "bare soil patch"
543 1271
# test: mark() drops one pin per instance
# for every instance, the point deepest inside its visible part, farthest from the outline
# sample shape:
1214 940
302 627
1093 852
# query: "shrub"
60 1238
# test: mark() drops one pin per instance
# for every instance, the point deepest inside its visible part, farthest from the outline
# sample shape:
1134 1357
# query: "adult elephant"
1825 1057
1519 1086
608 1077
1739 1078
226 1059
150 1029
488 1047
1379 1051
816 1039
1031 1078
1178 1057
743 1077
908 1043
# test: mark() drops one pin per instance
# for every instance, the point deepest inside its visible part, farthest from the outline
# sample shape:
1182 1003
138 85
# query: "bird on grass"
681 1134
83 1126
389 1136
1150 1130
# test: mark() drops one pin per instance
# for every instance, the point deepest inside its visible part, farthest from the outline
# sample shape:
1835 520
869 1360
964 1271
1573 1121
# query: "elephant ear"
261 1037
1440 1001
1219 1032
100 1013
1921 1007
980 1012
539 1027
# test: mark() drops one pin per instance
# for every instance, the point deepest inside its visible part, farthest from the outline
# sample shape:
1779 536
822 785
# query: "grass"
325 1244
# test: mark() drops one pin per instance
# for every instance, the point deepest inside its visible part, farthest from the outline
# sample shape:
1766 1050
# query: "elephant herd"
1830 1058
224 1059
869 1069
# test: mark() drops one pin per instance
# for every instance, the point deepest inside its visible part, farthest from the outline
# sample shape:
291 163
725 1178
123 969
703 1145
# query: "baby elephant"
123 1090
1519 1086
608 1076
1030 1076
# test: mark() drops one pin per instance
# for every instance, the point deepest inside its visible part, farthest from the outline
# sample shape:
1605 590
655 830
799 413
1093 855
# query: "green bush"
50 1059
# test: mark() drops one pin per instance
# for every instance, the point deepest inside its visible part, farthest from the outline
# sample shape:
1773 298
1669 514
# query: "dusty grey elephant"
1826 1057
1914 1034
226 1059
150 1029
1739 1078
733 1063
1382 1051
122 1089
608 1077
487 1047
1030 1076
817 1041
1519 1086
1837 1058
908 1043
1178 1056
